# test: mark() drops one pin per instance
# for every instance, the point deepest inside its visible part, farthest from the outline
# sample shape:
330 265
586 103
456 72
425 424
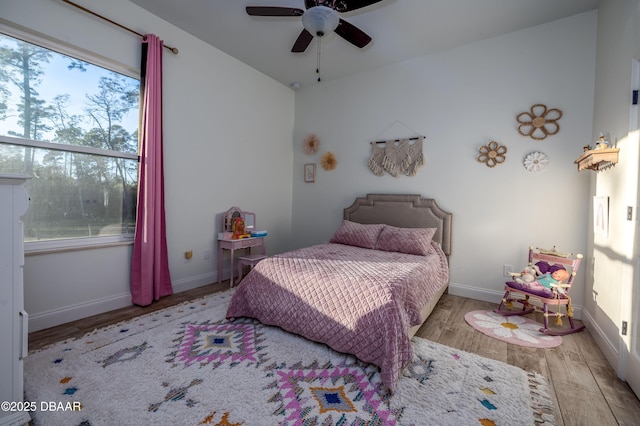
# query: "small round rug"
511 329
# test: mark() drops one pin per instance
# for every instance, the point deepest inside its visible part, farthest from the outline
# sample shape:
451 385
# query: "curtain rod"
174 50
415 138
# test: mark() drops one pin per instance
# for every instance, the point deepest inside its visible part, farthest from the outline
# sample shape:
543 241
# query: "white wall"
608 296
218 110
461 99
227 132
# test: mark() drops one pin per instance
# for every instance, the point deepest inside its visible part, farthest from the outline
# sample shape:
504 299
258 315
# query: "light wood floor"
585 388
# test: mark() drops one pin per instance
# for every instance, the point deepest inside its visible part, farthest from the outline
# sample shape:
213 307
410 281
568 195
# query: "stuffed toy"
528 275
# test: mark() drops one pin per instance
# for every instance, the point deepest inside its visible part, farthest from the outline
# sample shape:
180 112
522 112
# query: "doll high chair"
550 287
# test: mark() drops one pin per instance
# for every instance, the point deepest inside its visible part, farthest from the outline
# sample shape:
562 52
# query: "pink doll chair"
551 288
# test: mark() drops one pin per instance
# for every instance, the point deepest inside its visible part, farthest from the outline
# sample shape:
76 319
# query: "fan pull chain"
318 58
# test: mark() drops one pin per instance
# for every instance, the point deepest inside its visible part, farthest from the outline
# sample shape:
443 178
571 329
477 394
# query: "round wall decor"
311 144
536 161
540 122
328 161
492 154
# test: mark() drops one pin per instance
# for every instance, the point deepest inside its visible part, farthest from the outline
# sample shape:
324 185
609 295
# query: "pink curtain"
150 277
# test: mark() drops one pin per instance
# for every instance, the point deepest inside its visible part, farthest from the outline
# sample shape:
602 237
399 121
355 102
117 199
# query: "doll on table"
238 228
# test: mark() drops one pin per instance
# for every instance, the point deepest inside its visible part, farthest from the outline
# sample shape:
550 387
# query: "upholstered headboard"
405 211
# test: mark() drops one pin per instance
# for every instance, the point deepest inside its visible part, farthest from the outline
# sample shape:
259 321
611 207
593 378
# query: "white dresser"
14 328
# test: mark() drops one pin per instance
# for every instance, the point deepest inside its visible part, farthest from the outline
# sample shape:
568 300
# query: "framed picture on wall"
310 172
601 216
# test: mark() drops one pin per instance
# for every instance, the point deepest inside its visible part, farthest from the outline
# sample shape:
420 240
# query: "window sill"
63 246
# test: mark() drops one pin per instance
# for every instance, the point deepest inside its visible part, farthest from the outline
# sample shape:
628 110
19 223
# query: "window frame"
71 244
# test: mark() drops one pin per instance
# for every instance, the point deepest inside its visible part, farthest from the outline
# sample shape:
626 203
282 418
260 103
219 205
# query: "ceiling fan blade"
354 4
340 5
274 11
303 41
352 34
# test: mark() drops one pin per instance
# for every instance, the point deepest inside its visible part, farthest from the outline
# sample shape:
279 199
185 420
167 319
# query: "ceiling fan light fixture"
320 20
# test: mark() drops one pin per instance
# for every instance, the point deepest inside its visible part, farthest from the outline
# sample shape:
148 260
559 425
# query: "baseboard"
43 320
495 296
476 293
40 321
70 313
194 282
609 349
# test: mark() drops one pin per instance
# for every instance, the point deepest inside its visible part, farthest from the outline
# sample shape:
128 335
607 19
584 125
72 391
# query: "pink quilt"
355 300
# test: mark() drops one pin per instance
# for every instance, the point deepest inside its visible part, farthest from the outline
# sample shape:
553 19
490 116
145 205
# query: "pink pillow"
406 240
357 234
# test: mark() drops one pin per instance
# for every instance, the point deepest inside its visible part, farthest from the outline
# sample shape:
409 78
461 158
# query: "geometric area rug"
514 329
187 365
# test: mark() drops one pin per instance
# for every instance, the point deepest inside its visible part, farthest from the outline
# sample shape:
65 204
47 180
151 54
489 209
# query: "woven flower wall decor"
328 161
492 154
536 162
540 122
311 144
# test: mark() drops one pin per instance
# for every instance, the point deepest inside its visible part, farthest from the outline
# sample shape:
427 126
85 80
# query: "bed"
365 292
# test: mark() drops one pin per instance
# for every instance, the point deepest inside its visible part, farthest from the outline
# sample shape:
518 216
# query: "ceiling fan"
320 17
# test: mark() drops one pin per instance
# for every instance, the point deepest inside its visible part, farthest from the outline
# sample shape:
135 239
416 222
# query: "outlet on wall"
206 255
506 270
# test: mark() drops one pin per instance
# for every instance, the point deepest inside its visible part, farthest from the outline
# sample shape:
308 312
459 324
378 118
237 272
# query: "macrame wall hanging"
397 156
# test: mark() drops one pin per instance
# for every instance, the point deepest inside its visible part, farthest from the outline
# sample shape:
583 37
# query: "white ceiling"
401 29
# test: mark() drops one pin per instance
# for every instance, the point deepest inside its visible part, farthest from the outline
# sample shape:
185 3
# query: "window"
71 126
